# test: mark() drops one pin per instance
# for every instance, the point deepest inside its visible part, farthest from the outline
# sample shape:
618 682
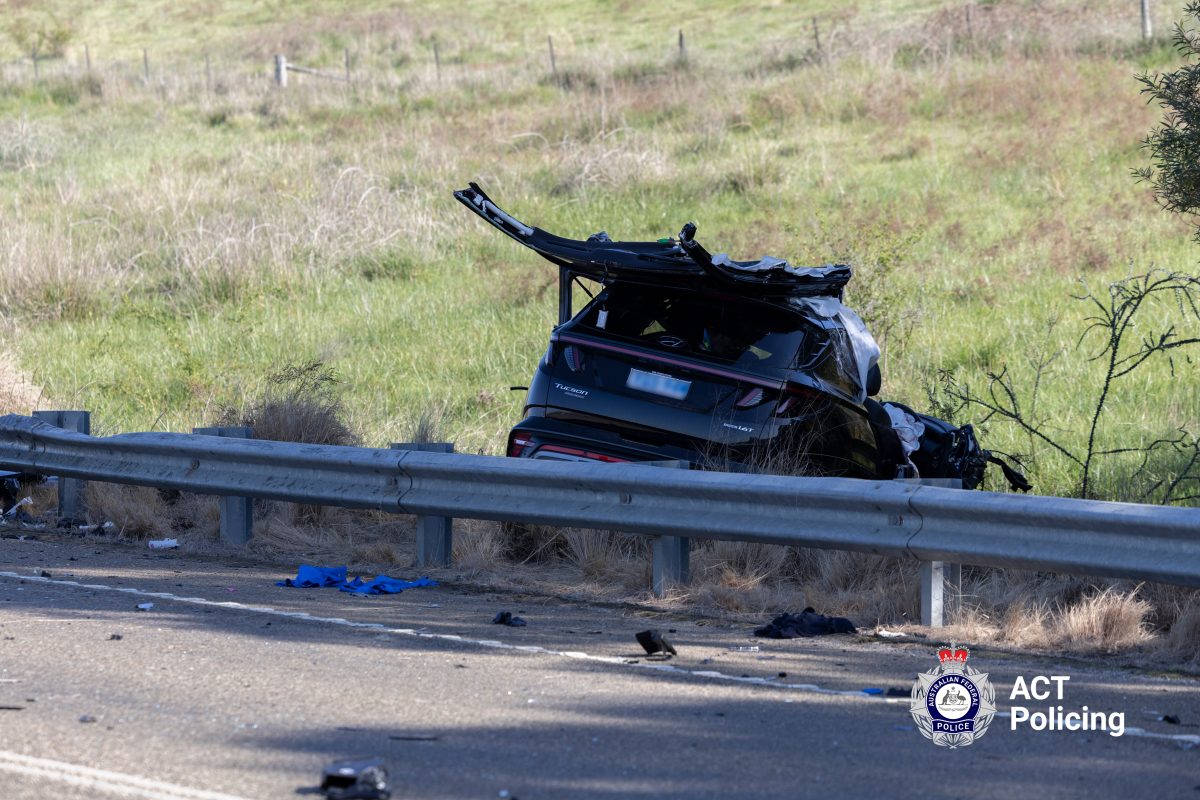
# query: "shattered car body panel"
682 355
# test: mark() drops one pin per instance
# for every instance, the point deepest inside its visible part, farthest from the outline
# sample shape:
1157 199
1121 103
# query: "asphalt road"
232 687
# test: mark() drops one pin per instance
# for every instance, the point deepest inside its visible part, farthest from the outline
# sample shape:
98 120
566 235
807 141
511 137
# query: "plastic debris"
310 577
24 501
737 648
356 779
115 637
87 718
162 544
908 429
506 618
145 606
806 623
1170 719
652 642
872 690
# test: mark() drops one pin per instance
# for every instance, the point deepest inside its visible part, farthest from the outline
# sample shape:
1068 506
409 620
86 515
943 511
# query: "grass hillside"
166 244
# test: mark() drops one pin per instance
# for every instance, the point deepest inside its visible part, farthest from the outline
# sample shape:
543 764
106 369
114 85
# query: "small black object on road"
652 642
356 779
506 618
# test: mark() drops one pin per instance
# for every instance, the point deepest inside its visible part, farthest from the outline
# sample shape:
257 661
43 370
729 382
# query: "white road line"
1189 740
100 780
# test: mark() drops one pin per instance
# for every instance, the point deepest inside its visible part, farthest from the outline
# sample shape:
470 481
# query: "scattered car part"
356 779
652 642
506 618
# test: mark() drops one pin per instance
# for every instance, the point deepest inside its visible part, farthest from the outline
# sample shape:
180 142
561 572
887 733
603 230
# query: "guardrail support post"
435 535
932 585
237 513
935 575
70 490
670 554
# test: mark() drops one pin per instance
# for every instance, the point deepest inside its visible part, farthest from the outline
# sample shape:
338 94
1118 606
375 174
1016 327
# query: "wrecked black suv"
680 354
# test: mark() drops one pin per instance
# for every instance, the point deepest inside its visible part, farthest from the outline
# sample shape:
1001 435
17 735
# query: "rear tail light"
578 453
574 358
750 398
517 445
796 398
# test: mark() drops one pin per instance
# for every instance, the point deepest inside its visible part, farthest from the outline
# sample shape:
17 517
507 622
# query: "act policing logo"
953 704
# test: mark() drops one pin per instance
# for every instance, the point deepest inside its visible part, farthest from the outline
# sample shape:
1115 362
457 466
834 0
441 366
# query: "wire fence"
984 30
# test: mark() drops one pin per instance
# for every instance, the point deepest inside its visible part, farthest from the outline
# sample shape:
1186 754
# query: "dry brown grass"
1107 620
606 556
1182 642
18 394
138 512
1154 624
428 427
300 406
478 547
363 540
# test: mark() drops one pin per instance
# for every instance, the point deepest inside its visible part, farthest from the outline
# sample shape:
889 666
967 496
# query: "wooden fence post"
437 61
347 65
87 57
145 66
817 39
550 45
33 55
683 57
280 71
207 74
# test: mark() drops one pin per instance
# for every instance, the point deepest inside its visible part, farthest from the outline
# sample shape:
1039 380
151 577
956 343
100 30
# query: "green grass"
167 247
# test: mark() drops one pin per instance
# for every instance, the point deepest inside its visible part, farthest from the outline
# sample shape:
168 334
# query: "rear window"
739 333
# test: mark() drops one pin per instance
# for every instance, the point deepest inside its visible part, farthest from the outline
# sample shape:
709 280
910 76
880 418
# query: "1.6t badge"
952 703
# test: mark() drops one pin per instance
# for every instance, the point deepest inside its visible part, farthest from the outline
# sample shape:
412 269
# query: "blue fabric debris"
384 585
310 577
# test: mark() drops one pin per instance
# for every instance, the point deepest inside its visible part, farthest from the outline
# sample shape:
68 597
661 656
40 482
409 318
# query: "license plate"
657 383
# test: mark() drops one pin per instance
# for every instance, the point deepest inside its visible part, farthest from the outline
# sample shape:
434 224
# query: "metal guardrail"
889 518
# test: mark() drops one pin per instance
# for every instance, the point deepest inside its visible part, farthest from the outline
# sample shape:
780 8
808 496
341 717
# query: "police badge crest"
953 704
